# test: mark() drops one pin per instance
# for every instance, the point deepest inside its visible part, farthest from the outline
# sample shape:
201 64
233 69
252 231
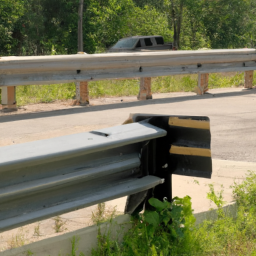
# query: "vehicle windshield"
125 43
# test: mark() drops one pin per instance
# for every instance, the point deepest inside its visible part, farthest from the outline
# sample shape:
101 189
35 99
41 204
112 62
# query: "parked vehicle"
141 43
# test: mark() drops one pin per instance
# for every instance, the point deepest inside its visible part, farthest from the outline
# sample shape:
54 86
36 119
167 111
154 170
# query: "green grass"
31 94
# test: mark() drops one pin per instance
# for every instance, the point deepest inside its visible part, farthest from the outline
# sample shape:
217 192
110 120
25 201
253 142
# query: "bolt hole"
78 71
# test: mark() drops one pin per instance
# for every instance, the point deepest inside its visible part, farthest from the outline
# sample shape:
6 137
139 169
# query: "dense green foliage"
37 27
153 234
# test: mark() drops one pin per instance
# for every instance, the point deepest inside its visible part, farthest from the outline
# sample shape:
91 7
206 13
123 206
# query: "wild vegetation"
40 27
170 229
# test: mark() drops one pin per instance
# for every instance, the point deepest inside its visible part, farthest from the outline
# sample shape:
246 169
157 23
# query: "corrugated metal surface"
16 71
45 178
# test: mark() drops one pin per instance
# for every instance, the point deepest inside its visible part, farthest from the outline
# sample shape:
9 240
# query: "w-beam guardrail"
84 68
45 178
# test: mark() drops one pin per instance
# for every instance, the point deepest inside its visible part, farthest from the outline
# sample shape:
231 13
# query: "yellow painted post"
248 79
8 97
202 85
145 89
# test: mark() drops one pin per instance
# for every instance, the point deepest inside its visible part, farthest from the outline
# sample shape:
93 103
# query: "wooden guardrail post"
248 79
82 93
8 97
145 89
202 85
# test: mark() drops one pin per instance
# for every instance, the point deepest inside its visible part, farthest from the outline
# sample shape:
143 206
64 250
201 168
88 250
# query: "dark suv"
141 43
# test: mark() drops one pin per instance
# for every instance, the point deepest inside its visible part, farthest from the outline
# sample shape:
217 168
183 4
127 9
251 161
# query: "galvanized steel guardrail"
45 178
83 68
16 71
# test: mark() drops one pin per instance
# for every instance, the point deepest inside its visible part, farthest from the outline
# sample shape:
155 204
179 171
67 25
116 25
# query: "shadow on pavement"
86 109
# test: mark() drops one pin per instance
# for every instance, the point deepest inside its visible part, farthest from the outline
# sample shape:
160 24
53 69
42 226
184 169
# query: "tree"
10 12
193 31
225 22
176 17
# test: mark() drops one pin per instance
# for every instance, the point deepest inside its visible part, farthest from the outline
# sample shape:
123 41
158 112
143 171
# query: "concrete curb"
61 245
229 210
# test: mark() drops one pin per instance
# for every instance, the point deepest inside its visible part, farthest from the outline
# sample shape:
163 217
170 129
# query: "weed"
216 198
196 182
245 193
74 248
59 224
103 213
106 243
17 240
170 229
168 222
28 253
37 230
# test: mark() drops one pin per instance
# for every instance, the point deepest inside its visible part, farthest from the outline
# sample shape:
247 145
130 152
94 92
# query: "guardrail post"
202 84
145 89
248 79
82 93
8 97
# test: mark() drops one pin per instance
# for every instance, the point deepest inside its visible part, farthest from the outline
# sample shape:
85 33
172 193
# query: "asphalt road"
232 113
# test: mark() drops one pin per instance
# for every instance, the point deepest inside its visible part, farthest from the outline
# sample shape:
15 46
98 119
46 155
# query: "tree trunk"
179 23
174 25
80 26
177 20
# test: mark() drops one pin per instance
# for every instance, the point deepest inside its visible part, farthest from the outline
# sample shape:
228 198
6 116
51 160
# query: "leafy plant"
216 198
163 229
245 193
